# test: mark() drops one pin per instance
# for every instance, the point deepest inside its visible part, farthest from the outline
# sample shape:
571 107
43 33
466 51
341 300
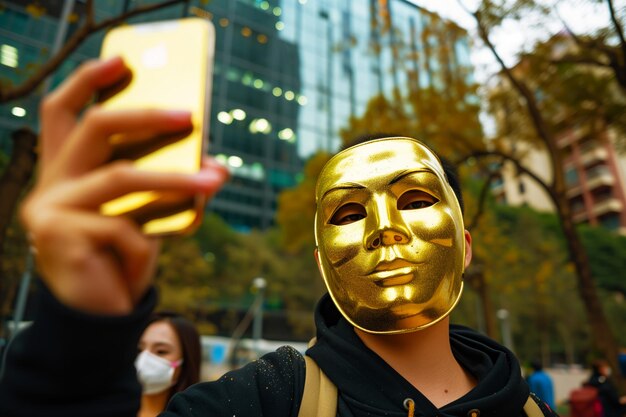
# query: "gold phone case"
172 67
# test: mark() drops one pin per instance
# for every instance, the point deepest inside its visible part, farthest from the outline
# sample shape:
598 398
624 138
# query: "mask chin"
405 318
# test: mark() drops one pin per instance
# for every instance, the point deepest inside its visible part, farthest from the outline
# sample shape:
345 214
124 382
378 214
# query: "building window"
571 176
610 221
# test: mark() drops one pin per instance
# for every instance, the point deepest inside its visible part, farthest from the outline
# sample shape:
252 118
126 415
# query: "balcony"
599 176
607 205
594 154
570 135
600 207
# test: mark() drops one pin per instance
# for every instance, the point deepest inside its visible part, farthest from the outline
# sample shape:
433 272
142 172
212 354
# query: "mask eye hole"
348 213
415 199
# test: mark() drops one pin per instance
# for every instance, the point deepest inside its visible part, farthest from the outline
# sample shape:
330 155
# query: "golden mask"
390 236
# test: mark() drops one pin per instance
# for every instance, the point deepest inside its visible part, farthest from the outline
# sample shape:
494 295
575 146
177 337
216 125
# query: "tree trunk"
475 278
14 180
16 176
603 339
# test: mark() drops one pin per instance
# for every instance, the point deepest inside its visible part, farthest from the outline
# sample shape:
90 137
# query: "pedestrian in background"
612 404
541 384
621 358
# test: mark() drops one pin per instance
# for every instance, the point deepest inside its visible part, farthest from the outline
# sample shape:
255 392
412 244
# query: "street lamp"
254 314
505 326
259 284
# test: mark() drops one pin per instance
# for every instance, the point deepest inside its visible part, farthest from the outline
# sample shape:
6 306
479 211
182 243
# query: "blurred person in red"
612 404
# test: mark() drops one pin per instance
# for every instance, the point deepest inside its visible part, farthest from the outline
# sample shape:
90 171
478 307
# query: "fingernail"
113 61
180 116
210 176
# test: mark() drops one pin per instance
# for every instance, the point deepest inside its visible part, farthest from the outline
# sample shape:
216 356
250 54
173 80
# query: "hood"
369 386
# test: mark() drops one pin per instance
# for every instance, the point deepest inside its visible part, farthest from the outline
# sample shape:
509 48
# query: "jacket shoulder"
270 386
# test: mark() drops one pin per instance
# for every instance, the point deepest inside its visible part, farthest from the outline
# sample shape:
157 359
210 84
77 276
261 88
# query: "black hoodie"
50 376
368 386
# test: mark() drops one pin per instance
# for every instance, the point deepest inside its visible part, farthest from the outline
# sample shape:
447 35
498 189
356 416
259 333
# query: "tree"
537 110
295 218
528 267
604 49
16 175
296 210
185 279
607 252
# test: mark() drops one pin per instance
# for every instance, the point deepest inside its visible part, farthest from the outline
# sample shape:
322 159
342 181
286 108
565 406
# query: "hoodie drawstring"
409 404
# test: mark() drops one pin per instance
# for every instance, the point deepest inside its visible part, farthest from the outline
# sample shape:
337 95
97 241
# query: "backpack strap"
531 408
319 398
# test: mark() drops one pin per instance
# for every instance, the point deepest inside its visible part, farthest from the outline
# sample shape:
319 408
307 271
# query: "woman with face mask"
168 361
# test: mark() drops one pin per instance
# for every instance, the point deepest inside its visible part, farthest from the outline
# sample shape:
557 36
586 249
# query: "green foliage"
184 277
294 237
527 268
525 263
607 253
214 236
214 269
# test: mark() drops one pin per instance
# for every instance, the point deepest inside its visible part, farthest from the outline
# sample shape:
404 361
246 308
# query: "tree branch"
549 189
481 200
88 28
618 29
568 59
616 62
531 105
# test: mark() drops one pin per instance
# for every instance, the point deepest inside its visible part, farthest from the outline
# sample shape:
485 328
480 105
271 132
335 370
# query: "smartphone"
172 68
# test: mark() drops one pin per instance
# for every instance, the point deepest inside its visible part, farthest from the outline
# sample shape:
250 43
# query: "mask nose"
389 227
387 238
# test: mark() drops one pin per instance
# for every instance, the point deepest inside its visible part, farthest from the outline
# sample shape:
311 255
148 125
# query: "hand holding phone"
172 66
89 261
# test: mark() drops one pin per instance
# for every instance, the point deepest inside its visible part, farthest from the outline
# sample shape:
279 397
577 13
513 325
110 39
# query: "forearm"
69 363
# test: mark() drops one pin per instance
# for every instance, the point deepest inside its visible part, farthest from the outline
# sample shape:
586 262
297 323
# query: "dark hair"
536 365
190 344
597 365
451 172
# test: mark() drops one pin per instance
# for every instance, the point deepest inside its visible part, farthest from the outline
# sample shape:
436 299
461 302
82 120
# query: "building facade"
288 75
595 172
595 175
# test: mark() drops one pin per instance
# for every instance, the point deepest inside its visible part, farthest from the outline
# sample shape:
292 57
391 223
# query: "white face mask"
155 373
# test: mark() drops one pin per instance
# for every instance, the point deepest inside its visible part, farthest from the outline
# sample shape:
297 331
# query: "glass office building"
288 75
